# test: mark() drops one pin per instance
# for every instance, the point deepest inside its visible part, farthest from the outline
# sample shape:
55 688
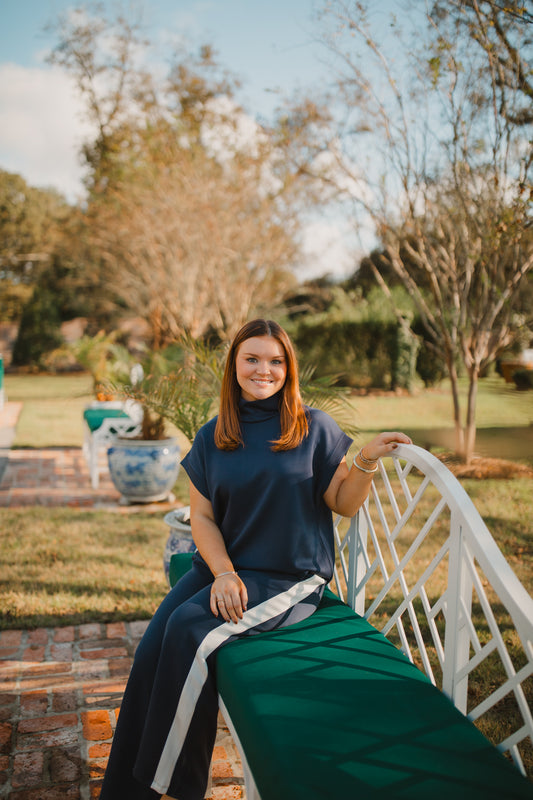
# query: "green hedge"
523 379
363 353
39 330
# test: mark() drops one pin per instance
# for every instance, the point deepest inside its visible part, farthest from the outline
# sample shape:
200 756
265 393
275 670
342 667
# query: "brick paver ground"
60 691
60 688
53 477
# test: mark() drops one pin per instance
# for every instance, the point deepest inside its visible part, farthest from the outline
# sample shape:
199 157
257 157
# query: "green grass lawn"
52 411
499 404
62 566
53 406
42 549
504 419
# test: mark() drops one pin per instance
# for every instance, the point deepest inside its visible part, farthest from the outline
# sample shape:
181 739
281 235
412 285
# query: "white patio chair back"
95 443
420 564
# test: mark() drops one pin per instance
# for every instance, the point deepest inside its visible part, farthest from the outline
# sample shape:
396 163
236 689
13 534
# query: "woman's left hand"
229 597
383 444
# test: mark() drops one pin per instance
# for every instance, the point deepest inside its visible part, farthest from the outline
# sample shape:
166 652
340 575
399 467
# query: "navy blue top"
269 505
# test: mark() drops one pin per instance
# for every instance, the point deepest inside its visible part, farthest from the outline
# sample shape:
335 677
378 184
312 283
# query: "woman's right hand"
229 597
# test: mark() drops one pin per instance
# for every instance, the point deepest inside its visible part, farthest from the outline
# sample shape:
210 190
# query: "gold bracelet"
364 459
364 469
221 574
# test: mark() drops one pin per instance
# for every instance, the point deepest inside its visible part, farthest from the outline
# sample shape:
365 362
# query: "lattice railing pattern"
419 562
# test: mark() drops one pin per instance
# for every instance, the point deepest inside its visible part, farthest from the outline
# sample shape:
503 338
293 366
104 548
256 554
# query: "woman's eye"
251 360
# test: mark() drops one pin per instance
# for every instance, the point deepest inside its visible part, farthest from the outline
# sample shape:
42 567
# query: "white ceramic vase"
144 471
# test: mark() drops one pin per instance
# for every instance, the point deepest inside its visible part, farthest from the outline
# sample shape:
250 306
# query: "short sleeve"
195 464
331 446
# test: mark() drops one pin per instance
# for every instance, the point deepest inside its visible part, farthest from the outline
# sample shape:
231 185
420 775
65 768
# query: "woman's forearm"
352 491
207 535
349 487
210 543
229 597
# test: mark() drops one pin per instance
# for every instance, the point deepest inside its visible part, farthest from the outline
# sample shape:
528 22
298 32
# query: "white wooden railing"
420 564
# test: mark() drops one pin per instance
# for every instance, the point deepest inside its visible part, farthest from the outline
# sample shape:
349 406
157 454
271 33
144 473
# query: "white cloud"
329 247
227 130
41 128
344 175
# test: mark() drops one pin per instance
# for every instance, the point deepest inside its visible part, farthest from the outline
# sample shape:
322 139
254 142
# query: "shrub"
39 330
523 379
430 366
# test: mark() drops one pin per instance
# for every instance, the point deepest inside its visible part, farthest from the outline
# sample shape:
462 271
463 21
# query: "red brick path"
60 688
53 477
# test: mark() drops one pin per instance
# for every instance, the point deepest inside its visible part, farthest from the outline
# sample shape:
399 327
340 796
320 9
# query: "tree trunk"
470 429
459 430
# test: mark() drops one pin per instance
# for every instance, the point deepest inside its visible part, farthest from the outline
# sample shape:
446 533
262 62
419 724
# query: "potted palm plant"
181 396
174 393
144 467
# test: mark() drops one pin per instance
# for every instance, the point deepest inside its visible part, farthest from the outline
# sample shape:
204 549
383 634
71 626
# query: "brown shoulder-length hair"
294 425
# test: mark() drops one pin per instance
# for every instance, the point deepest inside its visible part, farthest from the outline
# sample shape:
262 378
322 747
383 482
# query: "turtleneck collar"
259 410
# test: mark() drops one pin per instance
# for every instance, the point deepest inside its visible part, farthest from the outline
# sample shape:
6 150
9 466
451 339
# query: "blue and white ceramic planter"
180 537
144 471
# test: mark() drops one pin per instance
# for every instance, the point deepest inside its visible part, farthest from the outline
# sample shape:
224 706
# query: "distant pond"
504 442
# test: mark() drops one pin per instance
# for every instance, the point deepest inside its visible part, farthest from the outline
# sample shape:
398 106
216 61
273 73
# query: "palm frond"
179 399
325 393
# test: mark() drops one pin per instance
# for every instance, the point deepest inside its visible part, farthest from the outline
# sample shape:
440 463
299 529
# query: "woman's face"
261 367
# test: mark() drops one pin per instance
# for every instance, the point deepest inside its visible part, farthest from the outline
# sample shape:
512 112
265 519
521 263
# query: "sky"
270 45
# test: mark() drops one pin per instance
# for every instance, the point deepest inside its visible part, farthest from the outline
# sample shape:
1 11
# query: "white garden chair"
96 441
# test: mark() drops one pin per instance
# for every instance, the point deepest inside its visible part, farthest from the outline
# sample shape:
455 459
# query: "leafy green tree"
70 281
30 227
30 221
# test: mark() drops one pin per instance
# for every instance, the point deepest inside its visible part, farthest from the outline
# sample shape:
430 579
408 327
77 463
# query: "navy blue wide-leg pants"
167 724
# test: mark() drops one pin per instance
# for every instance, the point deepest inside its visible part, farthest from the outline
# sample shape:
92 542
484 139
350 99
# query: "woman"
266 475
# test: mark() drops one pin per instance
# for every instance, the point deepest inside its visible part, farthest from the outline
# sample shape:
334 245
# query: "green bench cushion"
95 416
179 564
329 708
